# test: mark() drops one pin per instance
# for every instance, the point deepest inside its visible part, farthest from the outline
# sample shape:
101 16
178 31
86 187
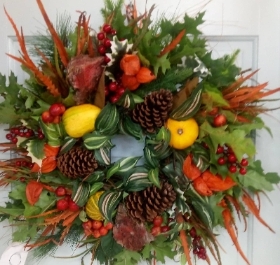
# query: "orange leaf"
228 221
216 183
201 187
33 191
190 170
145 75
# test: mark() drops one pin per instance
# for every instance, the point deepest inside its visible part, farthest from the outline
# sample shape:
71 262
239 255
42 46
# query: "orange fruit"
183 133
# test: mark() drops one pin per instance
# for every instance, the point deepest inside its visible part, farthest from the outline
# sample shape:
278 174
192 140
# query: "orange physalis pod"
129 82
201 187
49 162
33 191
190 170
217 183
130 64
145 75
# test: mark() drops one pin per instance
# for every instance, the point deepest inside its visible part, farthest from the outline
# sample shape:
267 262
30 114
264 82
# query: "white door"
251 25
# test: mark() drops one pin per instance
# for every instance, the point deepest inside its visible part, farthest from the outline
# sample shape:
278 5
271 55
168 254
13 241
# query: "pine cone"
77 162
145 205
153 112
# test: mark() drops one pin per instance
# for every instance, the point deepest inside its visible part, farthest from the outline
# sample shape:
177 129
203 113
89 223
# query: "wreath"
156 82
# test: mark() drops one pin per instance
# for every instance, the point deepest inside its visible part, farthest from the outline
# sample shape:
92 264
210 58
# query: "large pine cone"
77 163
153 112
145 205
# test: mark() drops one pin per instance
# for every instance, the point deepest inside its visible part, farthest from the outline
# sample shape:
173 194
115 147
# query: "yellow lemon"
79 120
92 208
183 133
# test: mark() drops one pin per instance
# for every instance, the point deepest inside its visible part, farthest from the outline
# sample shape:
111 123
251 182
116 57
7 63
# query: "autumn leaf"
33 191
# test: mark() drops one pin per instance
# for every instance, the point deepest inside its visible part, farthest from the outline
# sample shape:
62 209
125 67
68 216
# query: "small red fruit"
96 233
107 43
156 230
244 162
57 109
232 168
62 205
47 117
103 231
107 28
220 150
221 160
113 86
100 36
73 207
87 225
109 226
102 49
231 158
164 228
243 171
219 120
96 224
60 191
157 221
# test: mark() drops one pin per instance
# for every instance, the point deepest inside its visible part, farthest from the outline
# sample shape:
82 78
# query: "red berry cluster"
23 131
158 226
198 248
96 228
65 203
104 40
228 157
113 91
53 115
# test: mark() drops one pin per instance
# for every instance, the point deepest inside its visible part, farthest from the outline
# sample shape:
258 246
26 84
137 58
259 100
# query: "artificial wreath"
157 82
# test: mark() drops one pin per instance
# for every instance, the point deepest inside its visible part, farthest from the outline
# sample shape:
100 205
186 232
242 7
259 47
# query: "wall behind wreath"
257 18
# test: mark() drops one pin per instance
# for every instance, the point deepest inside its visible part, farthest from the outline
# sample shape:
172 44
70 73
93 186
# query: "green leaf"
95 140
67 144
95 187
153 176
122 165
127 257
136 179
108 202
35 149
109 246
53 132
103 154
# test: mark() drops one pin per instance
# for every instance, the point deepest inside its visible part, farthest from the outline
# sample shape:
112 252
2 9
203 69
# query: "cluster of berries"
53 115
96 228
228 157
24 132
65 203
113 91
198 248
104 40
159 226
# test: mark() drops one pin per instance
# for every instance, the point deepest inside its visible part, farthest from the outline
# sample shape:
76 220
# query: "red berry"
18 163
24 163
102 49
221 160
96 224
107 43
27 134
220 150
16 131
100 36
155 230
114 99
164 228
56 120
14 140
220 120
113 32
62 205
74 207
120 90
109 226
107 59
243 171
9 136
113 86
244 162
157 221
60 191
22 179
231 158
232 168
103 231
96 233
47 117
214 111
41 136
193 232
107 28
